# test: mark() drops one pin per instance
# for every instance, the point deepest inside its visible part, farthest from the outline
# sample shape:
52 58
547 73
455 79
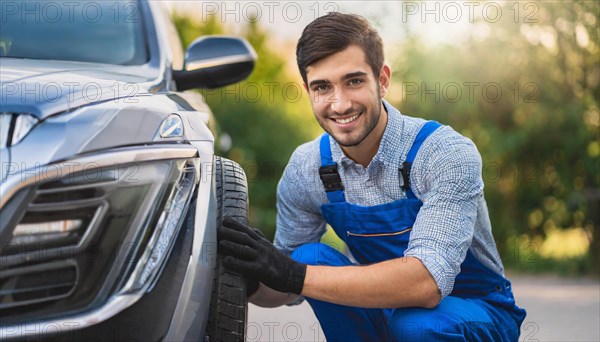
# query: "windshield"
107 31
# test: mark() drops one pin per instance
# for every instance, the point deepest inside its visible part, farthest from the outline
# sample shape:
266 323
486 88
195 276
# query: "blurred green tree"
530 103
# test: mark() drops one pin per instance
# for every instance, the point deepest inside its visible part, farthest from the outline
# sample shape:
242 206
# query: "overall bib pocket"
380 234
376 245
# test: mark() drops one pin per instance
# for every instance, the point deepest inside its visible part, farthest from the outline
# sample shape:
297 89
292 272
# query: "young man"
406 195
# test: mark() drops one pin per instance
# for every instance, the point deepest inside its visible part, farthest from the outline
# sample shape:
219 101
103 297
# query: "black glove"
248 252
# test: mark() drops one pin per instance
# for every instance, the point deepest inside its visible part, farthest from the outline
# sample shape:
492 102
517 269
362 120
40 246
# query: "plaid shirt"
445 176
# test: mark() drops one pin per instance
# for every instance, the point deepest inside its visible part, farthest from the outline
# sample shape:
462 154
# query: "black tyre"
228 304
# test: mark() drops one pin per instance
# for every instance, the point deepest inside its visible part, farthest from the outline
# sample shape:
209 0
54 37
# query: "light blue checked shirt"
445 176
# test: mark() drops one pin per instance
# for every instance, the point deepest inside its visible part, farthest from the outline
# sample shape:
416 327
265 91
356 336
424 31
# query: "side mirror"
215 61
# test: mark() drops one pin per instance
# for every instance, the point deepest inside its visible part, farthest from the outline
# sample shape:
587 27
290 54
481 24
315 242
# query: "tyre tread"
228 305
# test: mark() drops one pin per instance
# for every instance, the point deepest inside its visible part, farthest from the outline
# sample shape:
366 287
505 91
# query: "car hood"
43 88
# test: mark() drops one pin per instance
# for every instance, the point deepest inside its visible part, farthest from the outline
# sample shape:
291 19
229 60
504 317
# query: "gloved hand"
248 252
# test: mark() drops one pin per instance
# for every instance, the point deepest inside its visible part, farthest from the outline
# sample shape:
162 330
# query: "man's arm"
339 285
447 179
402 282
299 219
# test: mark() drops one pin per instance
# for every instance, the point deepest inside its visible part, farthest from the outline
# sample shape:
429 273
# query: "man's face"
345 95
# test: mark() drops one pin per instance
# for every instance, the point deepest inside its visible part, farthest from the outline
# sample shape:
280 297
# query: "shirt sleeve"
299 220
449 184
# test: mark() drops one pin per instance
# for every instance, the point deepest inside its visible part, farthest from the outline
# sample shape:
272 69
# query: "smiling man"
405 194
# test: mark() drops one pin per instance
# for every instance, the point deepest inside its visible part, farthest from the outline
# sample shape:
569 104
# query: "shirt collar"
387 153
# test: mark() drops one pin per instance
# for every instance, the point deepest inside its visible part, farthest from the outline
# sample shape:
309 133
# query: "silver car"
111 191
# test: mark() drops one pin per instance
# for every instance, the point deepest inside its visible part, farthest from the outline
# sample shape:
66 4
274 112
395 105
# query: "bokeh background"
521 79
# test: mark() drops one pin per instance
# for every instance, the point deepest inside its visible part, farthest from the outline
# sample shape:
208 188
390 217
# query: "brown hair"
333 33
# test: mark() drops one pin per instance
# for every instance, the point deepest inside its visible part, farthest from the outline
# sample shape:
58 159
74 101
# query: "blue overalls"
481 306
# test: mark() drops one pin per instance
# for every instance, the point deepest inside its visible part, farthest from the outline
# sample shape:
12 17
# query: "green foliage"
525 257
539 139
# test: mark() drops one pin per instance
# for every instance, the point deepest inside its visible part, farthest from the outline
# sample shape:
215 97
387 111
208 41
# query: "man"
406 195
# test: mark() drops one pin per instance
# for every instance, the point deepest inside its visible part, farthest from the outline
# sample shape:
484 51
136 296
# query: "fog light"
29 233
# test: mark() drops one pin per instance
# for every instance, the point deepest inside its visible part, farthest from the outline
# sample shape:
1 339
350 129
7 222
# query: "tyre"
228 304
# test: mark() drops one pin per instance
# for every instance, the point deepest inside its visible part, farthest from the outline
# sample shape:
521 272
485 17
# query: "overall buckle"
405 171
331 178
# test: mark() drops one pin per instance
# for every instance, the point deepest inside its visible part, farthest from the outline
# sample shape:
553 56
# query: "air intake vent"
56 195
36 284
57 221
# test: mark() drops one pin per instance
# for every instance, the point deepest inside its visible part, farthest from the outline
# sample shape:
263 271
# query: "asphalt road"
558 309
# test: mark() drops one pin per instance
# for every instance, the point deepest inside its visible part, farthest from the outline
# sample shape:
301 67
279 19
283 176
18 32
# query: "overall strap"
426 130
334 189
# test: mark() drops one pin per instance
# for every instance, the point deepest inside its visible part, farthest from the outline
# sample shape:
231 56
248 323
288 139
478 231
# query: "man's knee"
319 254
419 324
454 319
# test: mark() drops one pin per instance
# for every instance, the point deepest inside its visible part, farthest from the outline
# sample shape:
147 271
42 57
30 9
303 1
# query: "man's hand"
247 251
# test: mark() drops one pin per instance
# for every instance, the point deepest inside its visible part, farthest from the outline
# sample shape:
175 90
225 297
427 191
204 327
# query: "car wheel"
228 304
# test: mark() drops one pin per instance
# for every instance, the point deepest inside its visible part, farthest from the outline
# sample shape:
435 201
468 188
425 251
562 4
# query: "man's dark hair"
333 33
